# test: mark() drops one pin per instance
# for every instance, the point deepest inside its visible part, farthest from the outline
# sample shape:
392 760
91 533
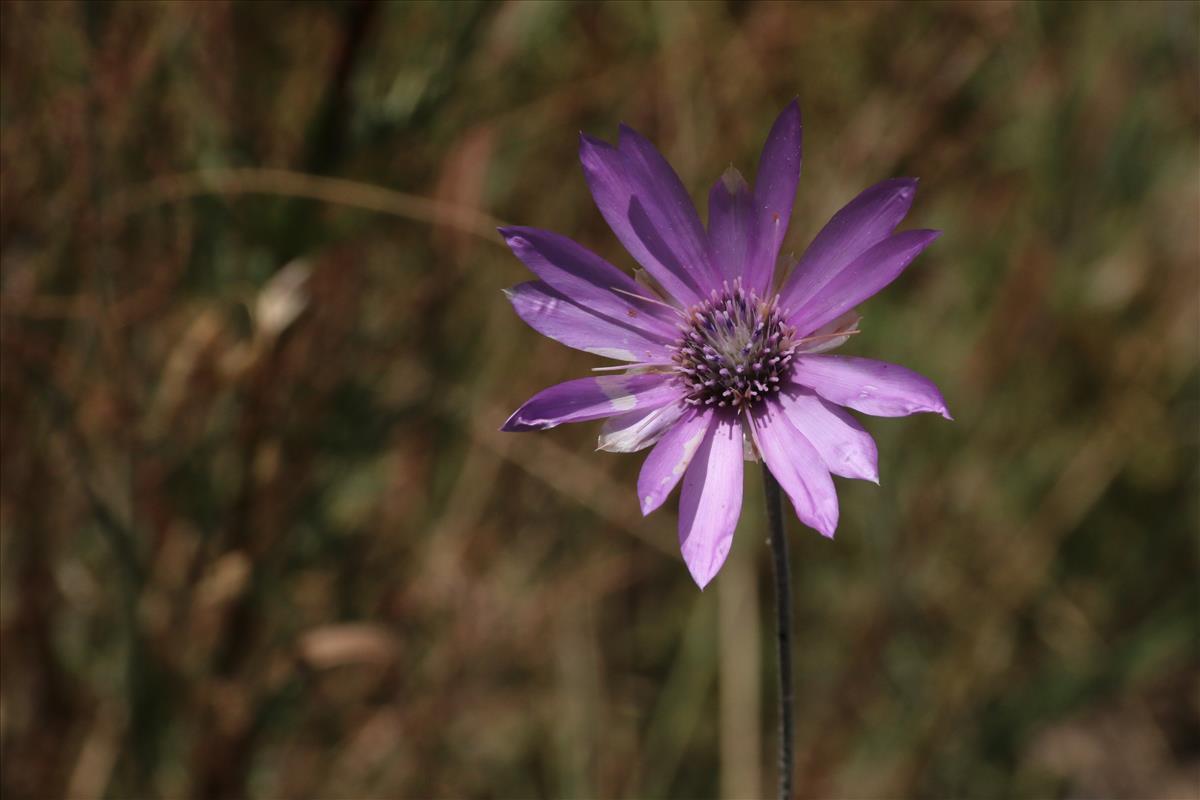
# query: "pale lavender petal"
830 335
844 446
798 467
668 207
870 272
593 398
867 220
552 314
621 199
731 225
711 500
774 193
638 430
872 387
669 459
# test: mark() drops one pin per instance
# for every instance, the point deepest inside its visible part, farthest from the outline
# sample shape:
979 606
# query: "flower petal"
774 193
731 225
638 430
870 272
864 222
798 467
552 314
593 398
668 205
669 459
845 447
872 387
711 500
831 334
589 280
635 216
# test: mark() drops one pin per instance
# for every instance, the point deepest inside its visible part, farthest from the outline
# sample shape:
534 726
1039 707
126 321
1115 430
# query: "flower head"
723 363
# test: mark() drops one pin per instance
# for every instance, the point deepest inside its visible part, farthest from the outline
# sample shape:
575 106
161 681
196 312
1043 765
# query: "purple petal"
845 447
798 467
589 280
668 205
593 398
670 458
865 277
621 196
774 193
711 500
872 387
864 222
638 430
731 224
551 314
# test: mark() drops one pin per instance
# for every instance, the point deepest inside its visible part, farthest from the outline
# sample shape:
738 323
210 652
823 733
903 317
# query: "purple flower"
724 364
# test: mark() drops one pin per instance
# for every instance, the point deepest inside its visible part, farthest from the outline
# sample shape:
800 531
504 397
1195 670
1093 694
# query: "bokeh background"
260 535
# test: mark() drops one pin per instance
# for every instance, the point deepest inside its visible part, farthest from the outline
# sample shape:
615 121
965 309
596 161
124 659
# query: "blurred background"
260 536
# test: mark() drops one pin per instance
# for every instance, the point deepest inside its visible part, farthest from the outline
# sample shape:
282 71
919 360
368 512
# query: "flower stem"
783 616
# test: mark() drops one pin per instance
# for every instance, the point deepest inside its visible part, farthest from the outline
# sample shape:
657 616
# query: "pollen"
734 350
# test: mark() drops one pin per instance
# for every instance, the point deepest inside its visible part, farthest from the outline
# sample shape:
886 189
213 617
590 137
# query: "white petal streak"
637 430
670 458
592 398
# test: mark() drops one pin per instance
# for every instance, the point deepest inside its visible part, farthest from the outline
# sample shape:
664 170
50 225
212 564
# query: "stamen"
734 349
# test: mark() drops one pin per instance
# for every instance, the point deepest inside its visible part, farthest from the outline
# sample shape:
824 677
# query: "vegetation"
261 538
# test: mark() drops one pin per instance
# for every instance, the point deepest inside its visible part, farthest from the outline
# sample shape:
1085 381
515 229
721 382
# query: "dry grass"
261 538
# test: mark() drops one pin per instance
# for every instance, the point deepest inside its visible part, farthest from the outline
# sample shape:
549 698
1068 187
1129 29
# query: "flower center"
735 349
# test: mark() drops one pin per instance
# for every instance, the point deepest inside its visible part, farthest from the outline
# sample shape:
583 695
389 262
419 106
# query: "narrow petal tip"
791 112
704 569
826 524
907 189
733 181
701 572
515 424
588 142
701 581
938 406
